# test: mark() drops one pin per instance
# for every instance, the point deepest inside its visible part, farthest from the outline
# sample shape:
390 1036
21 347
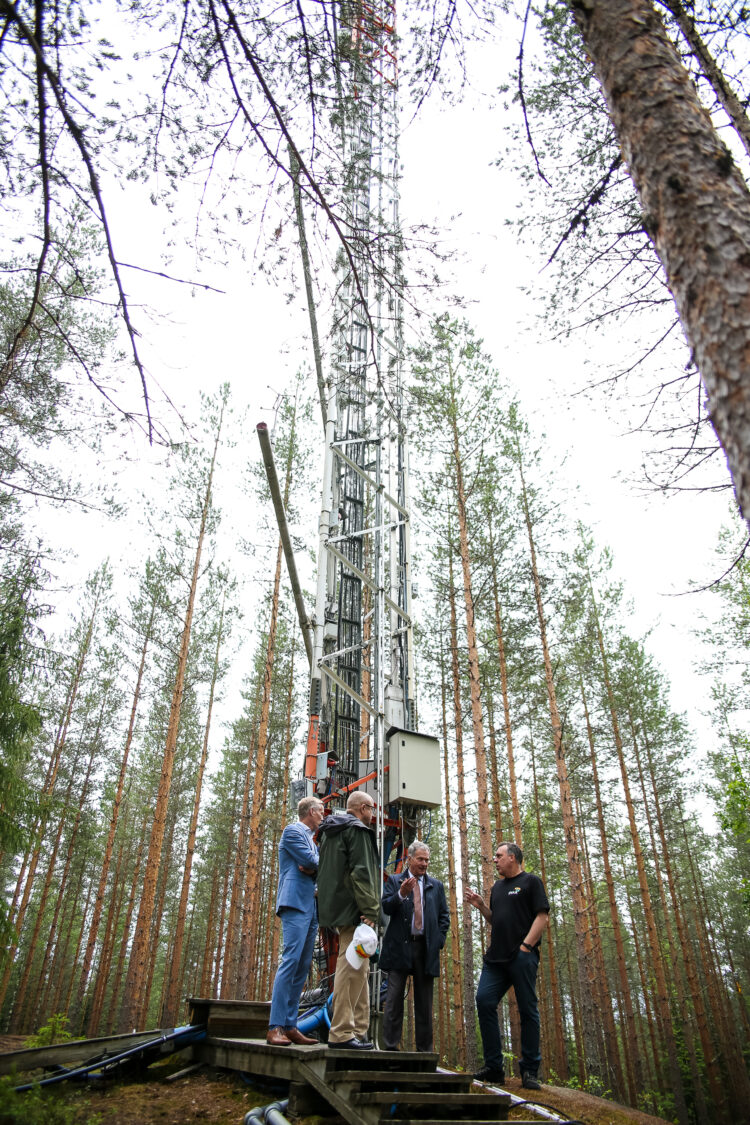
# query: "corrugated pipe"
271 1114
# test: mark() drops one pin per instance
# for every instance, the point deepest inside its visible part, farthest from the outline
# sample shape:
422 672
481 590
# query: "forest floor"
215 1097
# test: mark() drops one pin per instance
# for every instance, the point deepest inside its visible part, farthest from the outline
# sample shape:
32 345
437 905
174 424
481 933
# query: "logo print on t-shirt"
514 891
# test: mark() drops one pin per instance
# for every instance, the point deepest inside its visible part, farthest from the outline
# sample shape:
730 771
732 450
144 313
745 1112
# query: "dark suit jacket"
396 951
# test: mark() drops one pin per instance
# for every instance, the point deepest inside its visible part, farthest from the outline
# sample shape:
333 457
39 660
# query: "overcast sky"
250 336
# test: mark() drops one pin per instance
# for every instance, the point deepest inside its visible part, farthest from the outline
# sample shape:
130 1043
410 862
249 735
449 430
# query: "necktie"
418 923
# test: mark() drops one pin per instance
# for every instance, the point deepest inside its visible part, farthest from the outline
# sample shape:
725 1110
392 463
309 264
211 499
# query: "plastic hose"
186 1035
319 1017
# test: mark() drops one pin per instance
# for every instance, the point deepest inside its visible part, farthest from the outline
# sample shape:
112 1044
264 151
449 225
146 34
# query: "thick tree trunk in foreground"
696 204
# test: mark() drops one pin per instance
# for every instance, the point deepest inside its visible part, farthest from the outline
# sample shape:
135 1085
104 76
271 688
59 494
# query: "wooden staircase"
363 1087
374 1087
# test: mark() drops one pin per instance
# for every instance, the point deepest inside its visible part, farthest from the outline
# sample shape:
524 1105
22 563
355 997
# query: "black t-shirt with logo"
515 904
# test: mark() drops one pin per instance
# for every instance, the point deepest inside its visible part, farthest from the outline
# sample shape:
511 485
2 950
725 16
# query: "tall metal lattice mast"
362 682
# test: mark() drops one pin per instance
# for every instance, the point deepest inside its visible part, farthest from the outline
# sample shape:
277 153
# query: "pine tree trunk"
559 1054
20 1015
494 768
458 1020
632 1058
700 1110
651 1018
88 956
603 997
62 892
137 982
209 945
171 1003
101 983
47 789
231 961
486 848
500 637
688 960
117 894
466 929
729 1053
157 928
657 963
65 1006
580 906
696 205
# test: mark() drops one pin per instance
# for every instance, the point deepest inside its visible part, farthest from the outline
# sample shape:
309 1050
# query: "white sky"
252 338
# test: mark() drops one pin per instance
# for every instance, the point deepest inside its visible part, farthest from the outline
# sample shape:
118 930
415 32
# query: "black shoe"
529 1081
351 1045
489 1074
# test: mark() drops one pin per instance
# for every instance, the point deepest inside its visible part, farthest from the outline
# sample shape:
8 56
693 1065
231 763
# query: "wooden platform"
364 1087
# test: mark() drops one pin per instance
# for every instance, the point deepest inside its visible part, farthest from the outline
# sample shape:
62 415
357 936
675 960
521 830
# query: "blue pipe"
318 1017
190 1033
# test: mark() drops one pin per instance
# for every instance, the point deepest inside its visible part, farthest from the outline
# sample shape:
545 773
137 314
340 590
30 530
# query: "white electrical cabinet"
413 769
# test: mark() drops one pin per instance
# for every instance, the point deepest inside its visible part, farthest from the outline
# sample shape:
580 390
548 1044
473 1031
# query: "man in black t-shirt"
519 913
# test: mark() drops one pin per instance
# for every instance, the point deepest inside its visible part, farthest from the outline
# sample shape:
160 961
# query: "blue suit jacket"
396 951
296 889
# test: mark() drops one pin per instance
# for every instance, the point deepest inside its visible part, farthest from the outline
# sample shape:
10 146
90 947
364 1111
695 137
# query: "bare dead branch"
76 132
581 214
170 277
522 97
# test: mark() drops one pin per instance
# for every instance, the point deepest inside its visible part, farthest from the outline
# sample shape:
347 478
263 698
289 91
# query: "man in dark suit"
295 905
418 922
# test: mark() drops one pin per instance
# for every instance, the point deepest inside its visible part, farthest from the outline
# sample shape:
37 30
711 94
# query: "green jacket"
349 872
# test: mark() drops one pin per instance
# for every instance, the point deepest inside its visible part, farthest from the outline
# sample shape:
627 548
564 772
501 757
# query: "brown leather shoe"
294 1035
277 1038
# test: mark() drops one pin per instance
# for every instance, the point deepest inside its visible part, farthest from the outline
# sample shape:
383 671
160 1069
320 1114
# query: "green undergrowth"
39 1107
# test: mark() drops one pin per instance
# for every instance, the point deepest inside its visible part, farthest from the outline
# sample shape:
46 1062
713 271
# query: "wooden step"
389 1078
426 1097
414 1061
456 1107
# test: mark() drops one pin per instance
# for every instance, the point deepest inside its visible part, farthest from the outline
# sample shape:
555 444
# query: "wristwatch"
528 948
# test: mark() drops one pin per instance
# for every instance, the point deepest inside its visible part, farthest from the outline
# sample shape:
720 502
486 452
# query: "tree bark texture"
467 928
696 205
456 1000
137 982
486 847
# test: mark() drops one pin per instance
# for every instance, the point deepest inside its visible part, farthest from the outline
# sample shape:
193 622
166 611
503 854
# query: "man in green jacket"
349 893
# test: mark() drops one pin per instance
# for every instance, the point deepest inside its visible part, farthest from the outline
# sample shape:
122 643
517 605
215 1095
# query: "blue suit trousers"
299 929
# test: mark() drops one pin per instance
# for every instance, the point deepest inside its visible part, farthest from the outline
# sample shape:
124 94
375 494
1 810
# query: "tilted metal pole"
278 504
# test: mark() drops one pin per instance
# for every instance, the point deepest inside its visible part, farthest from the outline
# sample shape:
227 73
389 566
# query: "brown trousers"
351 996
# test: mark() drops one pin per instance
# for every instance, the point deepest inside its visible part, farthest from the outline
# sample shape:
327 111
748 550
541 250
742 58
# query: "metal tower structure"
362 678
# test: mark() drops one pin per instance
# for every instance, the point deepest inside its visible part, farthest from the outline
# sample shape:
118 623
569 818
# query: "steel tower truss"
362 681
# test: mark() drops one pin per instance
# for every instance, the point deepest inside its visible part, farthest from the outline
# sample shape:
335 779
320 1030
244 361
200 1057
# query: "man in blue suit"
295 905
418 922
